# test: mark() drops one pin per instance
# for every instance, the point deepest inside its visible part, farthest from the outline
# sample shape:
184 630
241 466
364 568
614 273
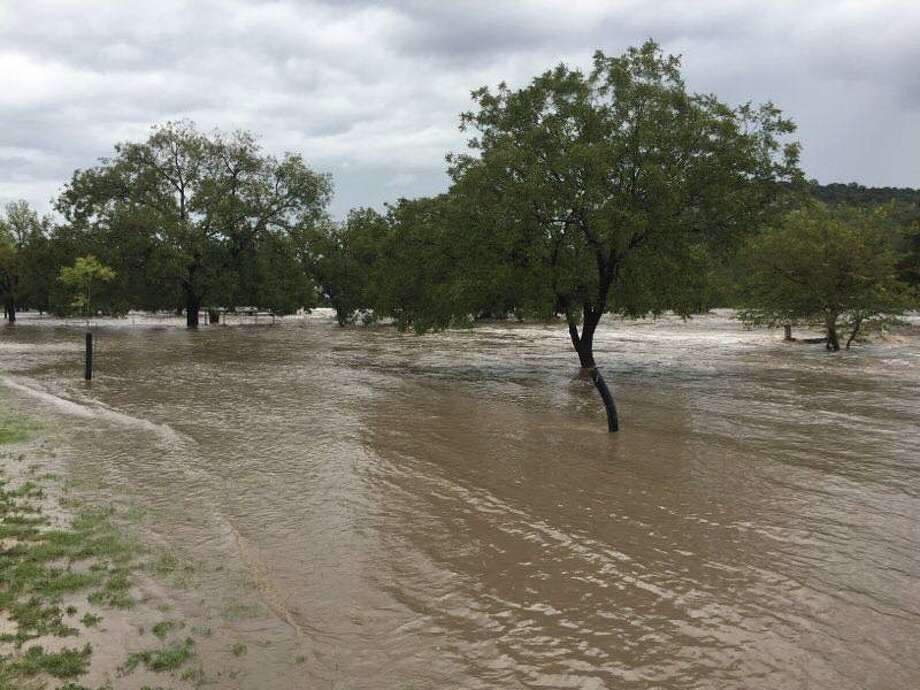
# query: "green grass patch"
13 427
67 663
90 620
196 676
40 566
167 658
45 569
162 629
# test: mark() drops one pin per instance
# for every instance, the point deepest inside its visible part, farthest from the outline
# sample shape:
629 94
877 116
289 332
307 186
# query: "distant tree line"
613 190
184 220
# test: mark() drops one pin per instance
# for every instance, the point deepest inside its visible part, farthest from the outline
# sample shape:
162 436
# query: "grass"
167 565
67 663
47 569
162 629
13 427
90 620
41 565
167 658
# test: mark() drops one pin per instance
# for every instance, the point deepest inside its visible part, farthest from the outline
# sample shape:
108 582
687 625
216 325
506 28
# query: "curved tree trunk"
584 346
613 419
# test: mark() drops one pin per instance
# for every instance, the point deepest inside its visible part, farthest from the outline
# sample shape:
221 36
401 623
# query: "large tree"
830 266
347 258
21 231
608 191
202 209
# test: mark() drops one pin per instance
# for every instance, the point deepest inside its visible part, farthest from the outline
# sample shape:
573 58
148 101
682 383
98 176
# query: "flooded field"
377 510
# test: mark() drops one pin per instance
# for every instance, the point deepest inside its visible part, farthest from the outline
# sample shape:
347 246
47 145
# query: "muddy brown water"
448 511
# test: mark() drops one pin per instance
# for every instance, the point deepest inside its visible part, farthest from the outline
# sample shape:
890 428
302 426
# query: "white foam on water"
93 411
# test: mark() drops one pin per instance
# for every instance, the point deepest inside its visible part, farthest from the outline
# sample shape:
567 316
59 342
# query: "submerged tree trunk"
192 307
833 341
10 309
213 316
787 332
584 343
192 294
584 346
613 419
857 324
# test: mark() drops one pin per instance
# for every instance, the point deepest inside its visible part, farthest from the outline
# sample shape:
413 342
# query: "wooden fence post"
88 369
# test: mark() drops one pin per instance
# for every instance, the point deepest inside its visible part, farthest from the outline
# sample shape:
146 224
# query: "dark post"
88 370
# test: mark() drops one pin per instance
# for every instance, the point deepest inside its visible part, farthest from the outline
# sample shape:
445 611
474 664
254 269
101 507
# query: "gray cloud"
370 91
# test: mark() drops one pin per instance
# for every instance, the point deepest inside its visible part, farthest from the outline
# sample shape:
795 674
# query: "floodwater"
379 510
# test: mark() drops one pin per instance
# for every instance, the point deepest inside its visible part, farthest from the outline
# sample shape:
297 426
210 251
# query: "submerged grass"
46 570
166 658
67 663
39 567
13 427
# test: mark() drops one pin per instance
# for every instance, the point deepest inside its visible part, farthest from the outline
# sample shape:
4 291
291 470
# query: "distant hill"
858 195
904 218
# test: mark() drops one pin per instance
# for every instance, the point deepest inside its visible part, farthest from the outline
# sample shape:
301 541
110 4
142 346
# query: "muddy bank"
85 603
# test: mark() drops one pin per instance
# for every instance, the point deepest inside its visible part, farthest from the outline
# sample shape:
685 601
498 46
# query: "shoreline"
85 604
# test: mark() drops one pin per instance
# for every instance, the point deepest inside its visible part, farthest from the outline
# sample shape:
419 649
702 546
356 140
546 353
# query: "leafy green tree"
83 279
601 192
203 207
9 272
419 282
832 266
273 275
20 229
909 262
346 259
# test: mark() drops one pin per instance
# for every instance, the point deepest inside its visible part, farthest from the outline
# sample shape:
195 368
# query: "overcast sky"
371 91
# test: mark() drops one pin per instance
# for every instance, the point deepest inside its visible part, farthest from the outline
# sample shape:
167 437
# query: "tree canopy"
21 233
209 214
604 191
830 266
587 193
